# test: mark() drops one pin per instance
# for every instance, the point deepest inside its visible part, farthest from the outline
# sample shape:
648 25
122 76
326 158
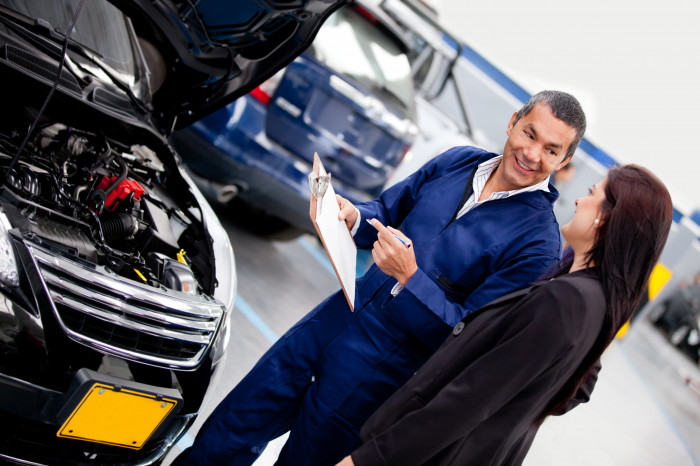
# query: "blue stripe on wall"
494 73
522 95
598 154
677 216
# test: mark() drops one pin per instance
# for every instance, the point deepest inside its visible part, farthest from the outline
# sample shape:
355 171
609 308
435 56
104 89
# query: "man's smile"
523 166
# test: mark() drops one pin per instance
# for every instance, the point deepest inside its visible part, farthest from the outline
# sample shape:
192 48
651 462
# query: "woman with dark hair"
507 366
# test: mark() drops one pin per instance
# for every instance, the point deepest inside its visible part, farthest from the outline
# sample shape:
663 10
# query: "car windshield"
351 43
100 27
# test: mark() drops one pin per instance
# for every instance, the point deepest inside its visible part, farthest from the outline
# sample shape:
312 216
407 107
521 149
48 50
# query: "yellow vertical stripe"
658 279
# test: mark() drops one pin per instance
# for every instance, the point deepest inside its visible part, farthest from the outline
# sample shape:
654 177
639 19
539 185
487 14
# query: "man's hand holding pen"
392 253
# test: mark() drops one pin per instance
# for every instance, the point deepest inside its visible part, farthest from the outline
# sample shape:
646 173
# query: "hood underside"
204 54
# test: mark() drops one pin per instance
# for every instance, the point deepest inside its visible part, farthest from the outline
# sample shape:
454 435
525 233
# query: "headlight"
225 264
225 292
225 275
8 265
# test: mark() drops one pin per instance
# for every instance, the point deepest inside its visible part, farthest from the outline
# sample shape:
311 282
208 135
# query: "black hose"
120 178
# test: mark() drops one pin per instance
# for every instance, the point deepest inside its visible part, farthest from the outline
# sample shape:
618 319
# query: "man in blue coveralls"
477 226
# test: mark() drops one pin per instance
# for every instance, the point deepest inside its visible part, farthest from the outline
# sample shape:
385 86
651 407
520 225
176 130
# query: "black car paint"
38 361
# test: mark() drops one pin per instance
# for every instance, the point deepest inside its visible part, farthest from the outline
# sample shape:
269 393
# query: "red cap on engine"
121 192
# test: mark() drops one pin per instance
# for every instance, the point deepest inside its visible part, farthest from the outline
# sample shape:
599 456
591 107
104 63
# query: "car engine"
93 198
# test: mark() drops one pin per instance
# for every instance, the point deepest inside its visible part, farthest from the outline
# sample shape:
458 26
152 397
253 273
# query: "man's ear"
511 123
563 163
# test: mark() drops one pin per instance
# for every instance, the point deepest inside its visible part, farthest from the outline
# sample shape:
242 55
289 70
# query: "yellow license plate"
118 417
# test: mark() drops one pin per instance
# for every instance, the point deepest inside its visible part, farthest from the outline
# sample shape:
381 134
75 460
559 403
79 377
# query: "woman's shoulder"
584 284
572 301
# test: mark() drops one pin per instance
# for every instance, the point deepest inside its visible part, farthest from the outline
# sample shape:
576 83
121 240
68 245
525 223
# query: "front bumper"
33 415
46 359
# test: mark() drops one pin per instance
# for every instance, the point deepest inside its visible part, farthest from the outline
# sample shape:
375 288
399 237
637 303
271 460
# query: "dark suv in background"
117 280
349 98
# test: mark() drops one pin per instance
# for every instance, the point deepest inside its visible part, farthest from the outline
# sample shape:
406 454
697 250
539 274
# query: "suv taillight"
264 92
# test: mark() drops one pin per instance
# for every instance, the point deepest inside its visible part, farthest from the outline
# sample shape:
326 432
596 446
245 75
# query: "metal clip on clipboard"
318 185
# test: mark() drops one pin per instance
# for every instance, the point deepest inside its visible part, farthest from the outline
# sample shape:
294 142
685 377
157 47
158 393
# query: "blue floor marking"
185 442
253 317
317 254
364 261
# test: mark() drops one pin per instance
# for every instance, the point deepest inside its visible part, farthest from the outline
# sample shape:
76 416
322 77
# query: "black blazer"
476 399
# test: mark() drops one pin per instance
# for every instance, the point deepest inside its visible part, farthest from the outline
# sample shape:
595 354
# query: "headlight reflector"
8 264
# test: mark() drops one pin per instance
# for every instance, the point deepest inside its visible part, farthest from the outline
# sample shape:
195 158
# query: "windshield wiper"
83 52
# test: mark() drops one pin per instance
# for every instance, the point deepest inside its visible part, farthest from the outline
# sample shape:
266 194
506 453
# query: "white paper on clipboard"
334 235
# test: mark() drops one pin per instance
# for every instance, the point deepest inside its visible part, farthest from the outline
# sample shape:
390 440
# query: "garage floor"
641 413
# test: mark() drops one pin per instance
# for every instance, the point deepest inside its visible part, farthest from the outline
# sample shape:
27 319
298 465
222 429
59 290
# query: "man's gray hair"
565 107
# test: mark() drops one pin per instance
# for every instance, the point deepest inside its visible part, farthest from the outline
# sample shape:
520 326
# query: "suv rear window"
352 44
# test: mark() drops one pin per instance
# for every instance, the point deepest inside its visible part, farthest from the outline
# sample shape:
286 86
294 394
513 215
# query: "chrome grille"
135 321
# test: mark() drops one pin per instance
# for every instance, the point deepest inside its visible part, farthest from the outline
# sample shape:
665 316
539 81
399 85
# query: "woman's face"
580 232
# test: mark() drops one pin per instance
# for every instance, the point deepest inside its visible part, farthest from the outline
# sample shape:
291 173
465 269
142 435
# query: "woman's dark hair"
636 217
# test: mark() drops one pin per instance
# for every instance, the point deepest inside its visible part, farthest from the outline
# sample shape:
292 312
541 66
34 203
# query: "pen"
405 243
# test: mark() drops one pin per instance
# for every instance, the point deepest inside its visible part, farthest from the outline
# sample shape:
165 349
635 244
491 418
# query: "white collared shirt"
483 172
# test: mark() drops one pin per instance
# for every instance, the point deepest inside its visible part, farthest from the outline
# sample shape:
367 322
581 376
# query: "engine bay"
98 200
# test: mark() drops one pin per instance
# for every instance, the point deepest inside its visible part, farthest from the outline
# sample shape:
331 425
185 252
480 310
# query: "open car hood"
203 54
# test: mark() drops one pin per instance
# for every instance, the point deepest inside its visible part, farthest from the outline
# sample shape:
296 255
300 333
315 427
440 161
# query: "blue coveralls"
326 375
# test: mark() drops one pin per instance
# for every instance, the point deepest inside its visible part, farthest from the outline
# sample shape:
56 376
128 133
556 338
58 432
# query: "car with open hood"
349 97
117 279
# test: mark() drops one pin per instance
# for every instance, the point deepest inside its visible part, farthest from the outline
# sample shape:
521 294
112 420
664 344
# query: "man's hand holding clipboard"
348 212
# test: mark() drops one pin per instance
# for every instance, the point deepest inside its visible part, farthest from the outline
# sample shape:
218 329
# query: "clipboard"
334 234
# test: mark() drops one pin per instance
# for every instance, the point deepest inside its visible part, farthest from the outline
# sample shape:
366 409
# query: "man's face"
535 148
